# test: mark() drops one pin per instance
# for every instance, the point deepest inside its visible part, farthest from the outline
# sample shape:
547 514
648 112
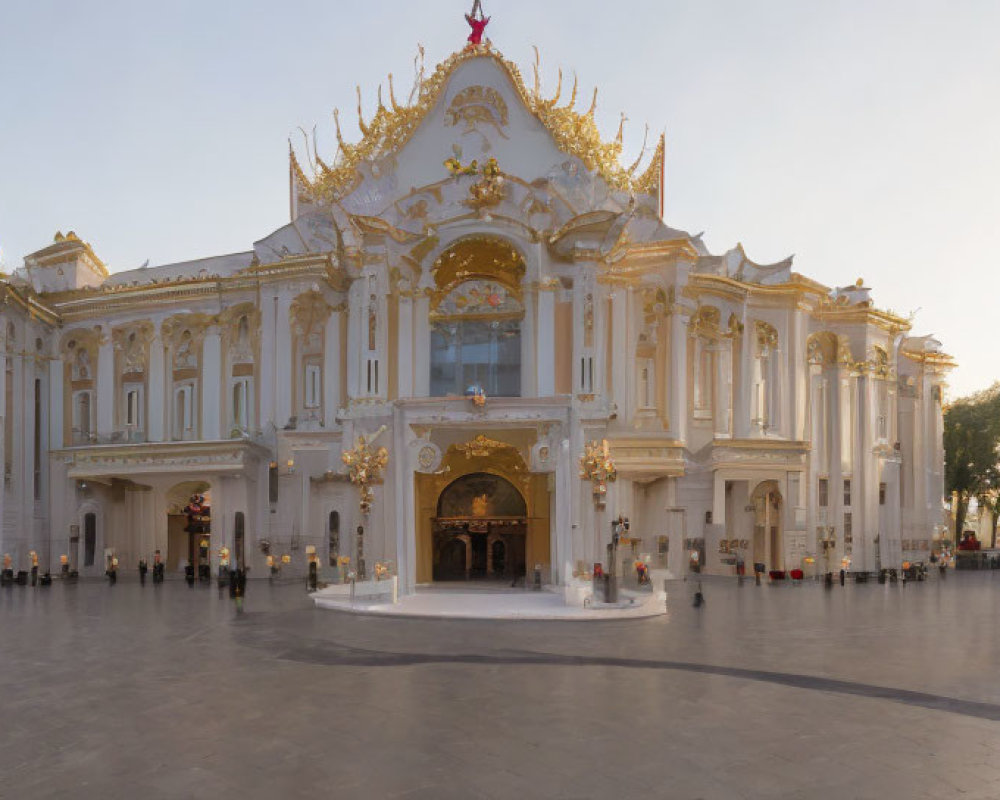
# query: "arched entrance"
189 526
480 530
768 533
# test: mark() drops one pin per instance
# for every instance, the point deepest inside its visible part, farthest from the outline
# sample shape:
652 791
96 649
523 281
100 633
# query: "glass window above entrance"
466 353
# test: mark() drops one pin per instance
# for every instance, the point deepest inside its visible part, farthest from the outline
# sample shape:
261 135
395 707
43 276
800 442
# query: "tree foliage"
972 452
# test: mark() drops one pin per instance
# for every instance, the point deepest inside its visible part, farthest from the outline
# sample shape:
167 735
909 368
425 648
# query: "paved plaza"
775 691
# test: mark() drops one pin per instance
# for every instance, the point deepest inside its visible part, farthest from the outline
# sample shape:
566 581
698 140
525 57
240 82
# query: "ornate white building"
747 408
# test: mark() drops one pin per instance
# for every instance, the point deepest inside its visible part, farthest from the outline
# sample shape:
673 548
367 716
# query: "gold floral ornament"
365 465
597 466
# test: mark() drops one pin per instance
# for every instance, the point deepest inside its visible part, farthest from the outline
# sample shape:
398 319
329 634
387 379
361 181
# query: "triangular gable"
476 106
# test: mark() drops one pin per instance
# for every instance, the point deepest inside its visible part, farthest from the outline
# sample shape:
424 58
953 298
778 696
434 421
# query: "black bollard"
189 575
843 577
313 576
34 575
143 569
828 580
699 598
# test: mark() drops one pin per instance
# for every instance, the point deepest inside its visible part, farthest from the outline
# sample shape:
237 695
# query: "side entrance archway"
768 532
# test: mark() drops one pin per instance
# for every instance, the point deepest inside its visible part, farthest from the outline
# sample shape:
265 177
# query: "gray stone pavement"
766 692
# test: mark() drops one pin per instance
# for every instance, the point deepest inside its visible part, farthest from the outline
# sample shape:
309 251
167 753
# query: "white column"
405 349
356 309
798 388
157 392
55 400
562 558
106 389
421 345
742 404
284 369
331 370
621 356
265 392
678 376
545 336
723 388
211 386
528 336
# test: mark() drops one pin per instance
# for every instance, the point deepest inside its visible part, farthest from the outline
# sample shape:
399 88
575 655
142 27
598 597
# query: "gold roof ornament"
392 127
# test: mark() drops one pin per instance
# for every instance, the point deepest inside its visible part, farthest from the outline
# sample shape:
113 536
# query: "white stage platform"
456 603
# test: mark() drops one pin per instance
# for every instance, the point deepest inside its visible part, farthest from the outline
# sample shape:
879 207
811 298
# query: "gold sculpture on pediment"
482 447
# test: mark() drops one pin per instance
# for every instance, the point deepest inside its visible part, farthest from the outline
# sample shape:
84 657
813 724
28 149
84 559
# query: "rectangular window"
881 494
184 412
132 414
824 492
241 404
314 386
587 374
82 417
847 492
848 533
647 384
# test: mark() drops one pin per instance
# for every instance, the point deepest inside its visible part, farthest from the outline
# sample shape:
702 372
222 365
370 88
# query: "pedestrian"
112 571
699 598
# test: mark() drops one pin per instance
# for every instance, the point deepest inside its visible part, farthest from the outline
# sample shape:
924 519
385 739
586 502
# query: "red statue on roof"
477 22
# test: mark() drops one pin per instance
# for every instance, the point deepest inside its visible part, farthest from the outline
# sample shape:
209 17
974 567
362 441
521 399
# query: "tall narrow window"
313 386
587 374
89 539
184 427
882 490
847 492
82 417
333 540
848 533
241 404
824 492
133 408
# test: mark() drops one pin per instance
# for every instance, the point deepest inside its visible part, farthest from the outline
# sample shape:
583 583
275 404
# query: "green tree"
971 439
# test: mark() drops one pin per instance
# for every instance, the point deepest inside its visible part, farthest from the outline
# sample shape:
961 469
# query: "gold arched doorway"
482 515
768 532
480 530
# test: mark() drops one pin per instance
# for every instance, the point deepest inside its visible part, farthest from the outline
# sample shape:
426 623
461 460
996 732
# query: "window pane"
483 353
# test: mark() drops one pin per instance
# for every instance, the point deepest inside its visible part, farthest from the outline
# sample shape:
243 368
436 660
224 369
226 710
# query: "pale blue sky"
862 136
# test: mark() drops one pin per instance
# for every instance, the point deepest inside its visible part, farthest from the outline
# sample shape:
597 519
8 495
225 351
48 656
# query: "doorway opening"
480 530
768 533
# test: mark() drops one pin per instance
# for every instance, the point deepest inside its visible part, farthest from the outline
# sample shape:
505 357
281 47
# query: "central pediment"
476 107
